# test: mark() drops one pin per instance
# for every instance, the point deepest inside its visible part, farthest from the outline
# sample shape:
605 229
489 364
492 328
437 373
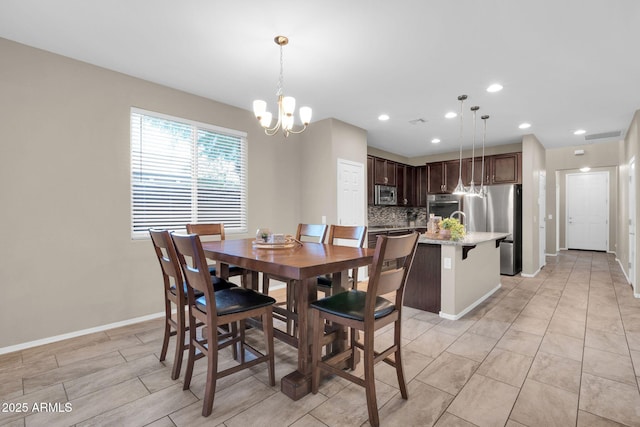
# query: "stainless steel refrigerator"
500 211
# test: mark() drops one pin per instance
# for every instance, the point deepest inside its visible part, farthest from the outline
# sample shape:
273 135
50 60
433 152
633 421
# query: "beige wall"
630 150
68 262
328 141
533 166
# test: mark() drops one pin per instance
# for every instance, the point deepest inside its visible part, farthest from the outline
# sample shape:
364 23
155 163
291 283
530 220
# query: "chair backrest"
202 230
312 232
356 233
397 248
168 258
194 267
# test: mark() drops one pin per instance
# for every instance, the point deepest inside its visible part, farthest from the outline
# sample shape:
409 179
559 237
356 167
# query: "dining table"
302 262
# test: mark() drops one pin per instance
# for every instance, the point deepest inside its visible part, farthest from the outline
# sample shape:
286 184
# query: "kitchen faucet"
461 216
459 213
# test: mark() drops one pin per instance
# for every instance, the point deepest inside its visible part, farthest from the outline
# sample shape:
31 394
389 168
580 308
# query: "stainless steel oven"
443 205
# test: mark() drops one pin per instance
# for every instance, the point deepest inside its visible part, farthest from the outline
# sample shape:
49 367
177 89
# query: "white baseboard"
471 307
75 334
556 254
531 275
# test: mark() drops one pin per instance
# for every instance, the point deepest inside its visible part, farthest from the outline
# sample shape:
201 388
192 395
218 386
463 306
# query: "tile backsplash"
396 215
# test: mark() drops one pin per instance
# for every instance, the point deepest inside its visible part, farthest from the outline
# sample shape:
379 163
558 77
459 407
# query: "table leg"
252 281
298 383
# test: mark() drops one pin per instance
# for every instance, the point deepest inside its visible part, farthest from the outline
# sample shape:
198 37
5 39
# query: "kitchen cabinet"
476 166
405 184
442 177
384 171
420 186
370 181
506 168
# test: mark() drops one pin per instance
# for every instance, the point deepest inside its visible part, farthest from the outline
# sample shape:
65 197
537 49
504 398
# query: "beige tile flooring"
560 349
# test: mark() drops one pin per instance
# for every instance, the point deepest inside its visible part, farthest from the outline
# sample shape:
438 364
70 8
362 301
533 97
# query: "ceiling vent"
612 134
417 121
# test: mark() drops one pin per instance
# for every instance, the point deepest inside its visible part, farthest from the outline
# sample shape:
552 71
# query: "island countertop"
470 239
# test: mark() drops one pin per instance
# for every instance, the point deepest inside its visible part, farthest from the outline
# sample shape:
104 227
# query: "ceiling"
564 65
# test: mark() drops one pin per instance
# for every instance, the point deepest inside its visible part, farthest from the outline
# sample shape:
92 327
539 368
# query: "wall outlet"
324 219
447 263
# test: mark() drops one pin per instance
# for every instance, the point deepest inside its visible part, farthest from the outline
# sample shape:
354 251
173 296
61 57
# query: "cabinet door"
370 181
421 186
435 178
385 171
391 172
380 171
409 185
506 168
401 187
451 175
476 167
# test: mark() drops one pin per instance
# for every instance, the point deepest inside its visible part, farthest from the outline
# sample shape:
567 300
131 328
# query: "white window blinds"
183 171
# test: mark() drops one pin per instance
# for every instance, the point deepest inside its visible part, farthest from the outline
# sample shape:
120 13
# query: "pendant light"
472 186
484 137
460 187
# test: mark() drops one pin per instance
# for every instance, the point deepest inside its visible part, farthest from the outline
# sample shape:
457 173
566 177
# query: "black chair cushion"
325 281
218 285
234 270
236 300
350 304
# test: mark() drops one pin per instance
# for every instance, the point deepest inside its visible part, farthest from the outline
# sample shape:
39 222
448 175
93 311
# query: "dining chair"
305 232
175 293
216 230
366 311
340 234
231 306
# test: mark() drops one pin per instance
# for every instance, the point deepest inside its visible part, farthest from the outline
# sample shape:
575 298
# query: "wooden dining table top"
300 262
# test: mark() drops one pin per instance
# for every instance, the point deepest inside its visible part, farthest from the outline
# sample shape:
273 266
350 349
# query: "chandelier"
286 105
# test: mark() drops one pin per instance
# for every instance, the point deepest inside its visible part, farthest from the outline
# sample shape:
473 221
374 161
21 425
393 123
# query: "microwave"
385 195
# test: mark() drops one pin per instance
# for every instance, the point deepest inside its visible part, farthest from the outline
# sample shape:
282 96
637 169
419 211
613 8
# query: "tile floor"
560 349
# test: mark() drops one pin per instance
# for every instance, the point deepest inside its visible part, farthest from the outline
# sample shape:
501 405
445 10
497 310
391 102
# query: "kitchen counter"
451 278
378 228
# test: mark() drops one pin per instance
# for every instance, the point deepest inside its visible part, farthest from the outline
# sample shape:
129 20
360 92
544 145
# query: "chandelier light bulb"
265 120
305 115
259 108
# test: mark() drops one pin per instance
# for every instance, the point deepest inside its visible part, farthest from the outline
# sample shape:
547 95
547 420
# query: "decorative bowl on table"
276 241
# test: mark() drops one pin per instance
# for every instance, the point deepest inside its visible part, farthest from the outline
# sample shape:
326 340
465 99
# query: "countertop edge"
470 239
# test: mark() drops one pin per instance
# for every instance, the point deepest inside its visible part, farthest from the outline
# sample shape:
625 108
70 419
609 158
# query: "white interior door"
542 220
632 225
587 203
351 198
351 192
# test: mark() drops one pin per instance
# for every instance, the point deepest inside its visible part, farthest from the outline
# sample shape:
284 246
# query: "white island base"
469 272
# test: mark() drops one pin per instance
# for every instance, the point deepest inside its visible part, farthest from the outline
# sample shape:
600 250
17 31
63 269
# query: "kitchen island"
452 277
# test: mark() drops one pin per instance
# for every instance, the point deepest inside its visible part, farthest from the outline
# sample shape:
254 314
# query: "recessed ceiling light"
524 125
451 115
585 169
383 117
580 132
435 141
496 87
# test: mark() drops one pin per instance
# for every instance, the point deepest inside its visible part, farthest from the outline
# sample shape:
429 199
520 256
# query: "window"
183 171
